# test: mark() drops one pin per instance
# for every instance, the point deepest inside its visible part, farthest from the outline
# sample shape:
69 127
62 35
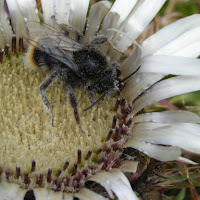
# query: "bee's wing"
58 45
59 36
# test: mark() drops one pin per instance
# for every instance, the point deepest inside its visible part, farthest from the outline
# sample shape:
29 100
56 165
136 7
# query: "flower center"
33 152
26 131
64 155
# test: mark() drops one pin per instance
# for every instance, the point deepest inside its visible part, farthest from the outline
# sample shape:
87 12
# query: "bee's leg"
42 89
98 40
72 32
73 102
69 30
91 96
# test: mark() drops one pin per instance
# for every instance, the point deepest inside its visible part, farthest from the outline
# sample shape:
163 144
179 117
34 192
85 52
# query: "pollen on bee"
29 61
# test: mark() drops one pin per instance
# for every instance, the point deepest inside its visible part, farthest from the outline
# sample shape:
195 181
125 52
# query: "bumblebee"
64 53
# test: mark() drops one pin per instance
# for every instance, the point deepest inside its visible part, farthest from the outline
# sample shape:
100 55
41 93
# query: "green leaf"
187 8
181 195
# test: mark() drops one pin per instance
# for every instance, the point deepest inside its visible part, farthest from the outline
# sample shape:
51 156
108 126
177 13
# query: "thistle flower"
61 162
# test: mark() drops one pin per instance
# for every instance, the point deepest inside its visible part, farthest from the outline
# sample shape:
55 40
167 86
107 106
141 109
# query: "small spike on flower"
74 169
108 150
109 135
99 150
40 181
49 175
123 102
124 130
123 109
117 104
79 157
128 123
117 146
7 174
102 160
6 50
1 55
18 172
117 135
114 122
88 155
58 185
75 183
116 163
59 172
14 44
121 122
85 172
128 111
66 165
26 178
33 166
65 182
21 44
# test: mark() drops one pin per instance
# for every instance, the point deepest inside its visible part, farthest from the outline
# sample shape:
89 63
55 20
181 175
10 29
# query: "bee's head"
106 83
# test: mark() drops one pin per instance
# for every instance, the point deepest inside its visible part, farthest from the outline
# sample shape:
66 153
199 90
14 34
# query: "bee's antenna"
130 74
101 98
96 102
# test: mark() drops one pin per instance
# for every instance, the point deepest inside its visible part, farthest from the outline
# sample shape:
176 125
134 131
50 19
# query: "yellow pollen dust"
25 123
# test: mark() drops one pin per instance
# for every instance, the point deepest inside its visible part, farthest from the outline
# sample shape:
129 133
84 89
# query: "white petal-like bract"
5 28
167 88
158 152
18 23
86 194
174 134
48 10
170 65
169 34
140 17
168 117
115 183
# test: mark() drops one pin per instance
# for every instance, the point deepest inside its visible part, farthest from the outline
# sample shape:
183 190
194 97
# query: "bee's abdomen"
44 61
